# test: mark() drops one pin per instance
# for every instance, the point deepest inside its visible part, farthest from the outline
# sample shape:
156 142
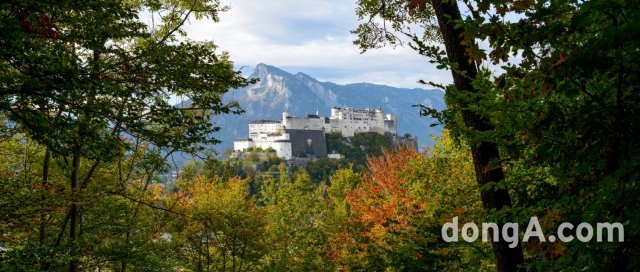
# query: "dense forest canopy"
87 125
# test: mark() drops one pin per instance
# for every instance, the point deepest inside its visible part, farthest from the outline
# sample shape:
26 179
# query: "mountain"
301 94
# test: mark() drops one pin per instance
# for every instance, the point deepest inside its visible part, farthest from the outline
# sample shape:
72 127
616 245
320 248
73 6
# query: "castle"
346 121
299 137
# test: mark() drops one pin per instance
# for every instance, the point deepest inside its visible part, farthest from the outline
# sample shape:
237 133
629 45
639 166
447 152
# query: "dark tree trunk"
485 155
123 267
43 215
73 213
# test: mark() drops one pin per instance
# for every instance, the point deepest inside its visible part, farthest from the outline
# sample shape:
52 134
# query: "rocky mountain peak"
264 70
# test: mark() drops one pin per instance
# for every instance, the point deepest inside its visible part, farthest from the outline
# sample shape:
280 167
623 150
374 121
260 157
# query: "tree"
27 205
295 237
396 212
567 108
121 219
486 156
80 77
223 230
322 169
563 110
386 208
355 149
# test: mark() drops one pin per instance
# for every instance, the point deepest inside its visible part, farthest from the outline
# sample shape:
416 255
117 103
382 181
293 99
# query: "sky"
313 37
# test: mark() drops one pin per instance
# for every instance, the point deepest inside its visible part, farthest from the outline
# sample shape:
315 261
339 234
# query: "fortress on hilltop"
346 121
304 137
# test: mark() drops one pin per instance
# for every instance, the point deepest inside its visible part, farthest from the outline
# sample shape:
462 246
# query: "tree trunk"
43 215
73 213
485 155
45 180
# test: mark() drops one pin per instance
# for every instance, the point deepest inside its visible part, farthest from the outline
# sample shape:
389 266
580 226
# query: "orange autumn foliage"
384 203
397 209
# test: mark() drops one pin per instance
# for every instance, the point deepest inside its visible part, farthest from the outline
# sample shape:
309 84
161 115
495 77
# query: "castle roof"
265 122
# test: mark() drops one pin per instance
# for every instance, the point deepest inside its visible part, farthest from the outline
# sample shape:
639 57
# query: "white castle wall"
304 123
240 145
280 143
282 148
349 121
264 127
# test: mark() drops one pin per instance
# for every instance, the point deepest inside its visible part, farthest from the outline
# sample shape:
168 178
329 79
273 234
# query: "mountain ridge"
299 94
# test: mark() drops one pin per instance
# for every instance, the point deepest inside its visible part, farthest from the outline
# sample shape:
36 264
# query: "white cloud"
312 37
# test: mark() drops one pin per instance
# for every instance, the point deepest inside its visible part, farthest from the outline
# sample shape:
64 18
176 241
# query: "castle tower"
379 117
285 119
